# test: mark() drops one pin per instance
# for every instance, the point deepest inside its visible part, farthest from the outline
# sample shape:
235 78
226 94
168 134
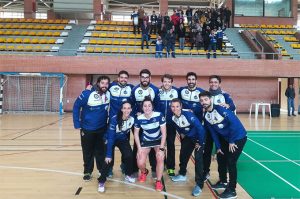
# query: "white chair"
263 108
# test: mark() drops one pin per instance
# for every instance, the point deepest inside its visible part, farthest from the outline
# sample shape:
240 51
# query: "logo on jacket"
96 96
187 92
195 97
140 92
171 96
220 126
125 92
116 88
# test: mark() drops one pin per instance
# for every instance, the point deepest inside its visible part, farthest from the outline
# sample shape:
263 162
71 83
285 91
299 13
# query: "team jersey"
164 105
223 122
139 94
151 127
118 94
189 125
190 100
224 98
114 133
90 110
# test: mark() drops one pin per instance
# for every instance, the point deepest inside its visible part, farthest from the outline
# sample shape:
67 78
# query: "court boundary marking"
271 171
261 145
80 174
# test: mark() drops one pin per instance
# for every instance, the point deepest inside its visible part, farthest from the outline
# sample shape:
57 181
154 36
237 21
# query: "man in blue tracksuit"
229 135
189 95
192 136
221 98
167 92
90 114
139 92
120 92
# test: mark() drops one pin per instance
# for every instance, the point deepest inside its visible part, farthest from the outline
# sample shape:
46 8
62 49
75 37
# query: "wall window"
277 8
263 8
249 7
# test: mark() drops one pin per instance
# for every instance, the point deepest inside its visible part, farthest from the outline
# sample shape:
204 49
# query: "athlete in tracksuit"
221 98
120 92
117 135
139 92
192 139
229 136
90 114
166 93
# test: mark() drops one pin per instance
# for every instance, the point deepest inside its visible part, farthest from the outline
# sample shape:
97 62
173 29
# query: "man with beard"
220 98
190 95
166 93
139 92
120 92
90 113
229 135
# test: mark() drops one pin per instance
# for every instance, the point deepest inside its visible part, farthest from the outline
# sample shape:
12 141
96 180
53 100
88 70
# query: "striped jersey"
151 127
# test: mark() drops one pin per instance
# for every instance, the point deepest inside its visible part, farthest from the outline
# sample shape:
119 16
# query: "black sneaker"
228 194
87 177
219 185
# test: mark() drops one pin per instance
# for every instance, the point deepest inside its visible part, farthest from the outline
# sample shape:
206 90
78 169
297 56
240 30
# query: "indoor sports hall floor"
40 157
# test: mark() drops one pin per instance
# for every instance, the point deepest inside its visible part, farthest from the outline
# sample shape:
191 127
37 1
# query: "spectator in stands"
205 35
135 22
220 35
175 21
159 24
290 94
181 35
141 14
170 39
158 47
227 17
189 14
212 44
146 17
153 20
145 34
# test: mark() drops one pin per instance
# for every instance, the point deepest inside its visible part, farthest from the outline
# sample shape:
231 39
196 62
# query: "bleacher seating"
32 35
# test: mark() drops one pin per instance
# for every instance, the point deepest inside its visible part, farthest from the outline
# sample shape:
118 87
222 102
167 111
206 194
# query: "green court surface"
269 166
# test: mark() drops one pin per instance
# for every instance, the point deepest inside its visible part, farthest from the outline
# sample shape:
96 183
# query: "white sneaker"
178 178
129 179
101 187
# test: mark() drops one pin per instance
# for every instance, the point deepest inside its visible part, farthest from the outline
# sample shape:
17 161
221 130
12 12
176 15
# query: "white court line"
275 161
80 174
272 136
278 176
249 133
274 152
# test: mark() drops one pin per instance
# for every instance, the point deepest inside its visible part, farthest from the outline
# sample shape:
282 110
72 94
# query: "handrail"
256 41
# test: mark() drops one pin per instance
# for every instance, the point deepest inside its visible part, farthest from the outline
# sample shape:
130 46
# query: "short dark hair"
145 71
191 74
103 77
168 76
123 72
215 77
205 94
147 99
176 100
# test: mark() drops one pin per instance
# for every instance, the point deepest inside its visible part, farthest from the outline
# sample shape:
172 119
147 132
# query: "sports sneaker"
219 185
159 186
129 179
179 178
228 194
171 172
196 191
110 173
206 176
143 176
87 177
101 187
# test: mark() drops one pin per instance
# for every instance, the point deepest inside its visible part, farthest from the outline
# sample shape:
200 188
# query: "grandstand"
50 50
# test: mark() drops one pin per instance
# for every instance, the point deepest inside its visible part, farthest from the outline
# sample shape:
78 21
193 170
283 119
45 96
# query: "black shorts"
150 144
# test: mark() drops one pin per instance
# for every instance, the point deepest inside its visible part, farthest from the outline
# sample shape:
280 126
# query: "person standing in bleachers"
135 22
153 22
145 34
